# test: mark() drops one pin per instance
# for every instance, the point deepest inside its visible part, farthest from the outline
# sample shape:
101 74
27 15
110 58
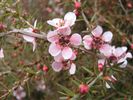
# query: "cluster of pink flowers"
101 42
62 42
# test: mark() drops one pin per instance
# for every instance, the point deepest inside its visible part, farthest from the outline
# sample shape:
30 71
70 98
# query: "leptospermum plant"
63 46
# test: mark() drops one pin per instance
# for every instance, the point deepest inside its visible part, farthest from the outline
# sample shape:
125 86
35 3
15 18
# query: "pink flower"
107 50
30 38
19 93
61 42
41 85
58 66
120 55
117 55
77 4
60 63
101 64
97 40
83 88
69 20
1 54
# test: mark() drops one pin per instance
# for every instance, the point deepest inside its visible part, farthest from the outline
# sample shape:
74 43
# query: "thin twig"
24 33
123 7
86 20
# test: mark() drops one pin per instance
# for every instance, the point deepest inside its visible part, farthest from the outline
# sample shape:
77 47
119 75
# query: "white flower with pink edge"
97 40
69 20
61 64
62 43
117 55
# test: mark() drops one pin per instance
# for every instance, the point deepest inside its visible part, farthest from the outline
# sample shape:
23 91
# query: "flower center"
64 41
113 58
121 56
66 64
61 23
97 42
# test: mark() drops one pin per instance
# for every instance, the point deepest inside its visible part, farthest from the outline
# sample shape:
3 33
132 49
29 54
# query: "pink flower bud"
76 12
77 5
129 5
83 88
2 27
35 30
100 67
38 66
131 46
45 68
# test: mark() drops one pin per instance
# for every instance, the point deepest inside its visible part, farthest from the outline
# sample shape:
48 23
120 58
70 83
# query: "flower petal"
129 55
73 56
57 66
59 58
119 51
87 41
1 54
72 69
35 23
54 22
70 19
31 40
75 39
113 77
28 30
107 85
101 61
64 30
34 45
28 38
52 36
22 95
97 31
107 36
101 64
67 53
122 59
54 49
124 64
106 50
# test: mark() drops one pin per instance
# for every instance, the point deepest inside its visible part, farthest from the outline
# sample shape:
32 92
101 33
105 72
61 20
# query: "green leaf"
88 70
62 93
75 82
69 92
